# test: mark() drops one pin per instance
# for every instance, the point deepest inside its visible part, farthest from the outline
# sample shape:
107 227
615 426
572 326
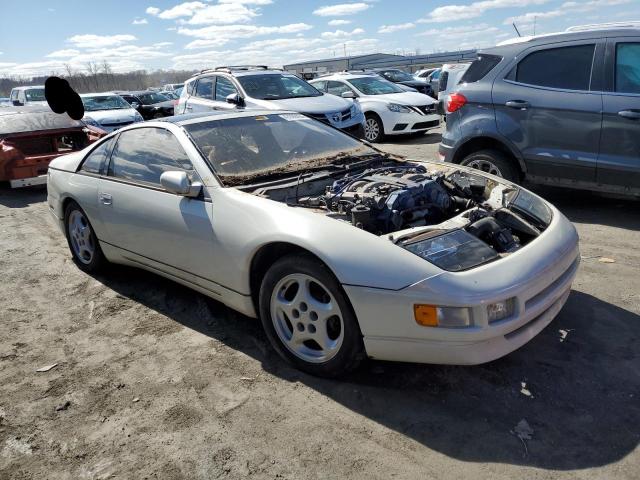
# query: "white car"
450 76
259 88
388 109
31 95
344 252
108 111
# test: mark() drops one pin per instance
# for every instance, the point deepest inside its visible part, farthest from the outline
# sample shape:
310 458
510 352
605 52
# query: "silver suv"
257 87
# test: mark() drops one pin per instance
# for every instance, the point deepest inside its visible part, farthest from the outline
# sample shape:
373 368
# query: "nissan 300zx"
342 251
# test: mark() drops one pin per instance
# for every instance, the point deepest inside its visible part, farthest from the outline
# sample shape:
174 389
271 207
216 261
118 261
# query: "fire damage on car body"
342 251
30 137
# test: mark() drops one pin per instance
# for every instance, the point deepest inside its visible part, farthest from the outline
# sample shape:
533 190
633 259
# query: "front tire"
373 128
82 240
493 162
308 318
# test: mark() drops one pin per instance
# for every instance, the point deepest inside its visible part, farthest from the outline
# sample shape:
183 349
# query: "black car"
403 78
149 104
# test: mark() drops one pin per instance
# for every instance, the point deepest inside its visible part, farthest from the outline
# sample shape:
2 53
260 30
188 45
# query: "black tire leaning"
351 352
98 259
504 164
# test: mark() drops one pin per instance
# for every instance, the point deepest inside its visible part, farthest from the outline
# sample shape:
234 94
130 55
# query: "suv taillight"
455 102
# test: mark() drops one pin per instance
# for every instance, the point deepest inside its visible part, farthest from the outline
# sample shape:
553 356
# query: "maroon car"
30 137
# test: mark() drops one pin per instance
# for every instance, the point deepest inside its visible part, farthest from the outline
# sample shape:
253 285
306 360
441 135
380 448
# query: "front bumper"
538 277
400 123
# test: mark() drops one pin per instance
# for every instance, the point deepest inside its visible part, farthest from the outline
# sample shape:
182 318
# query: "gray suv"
561 109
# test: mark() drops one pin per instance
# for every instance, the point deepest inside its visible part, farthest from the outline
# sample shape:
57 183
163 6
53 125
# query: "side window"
143 154
94 163
565 67
628 68
224 88
191 86
337 88
204 88
321 85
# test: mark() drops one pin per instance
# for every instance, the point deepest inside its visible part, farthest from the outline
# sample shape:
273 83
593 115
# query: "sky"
43 37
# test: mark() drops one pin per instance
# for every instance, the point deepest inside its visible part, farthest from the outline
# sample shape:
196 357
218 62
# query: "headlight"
448 317
137 117
394 107
90 121
454 251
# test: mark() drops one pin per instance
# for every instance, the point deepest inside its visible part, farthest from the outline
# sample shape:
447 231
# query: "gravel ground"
156 381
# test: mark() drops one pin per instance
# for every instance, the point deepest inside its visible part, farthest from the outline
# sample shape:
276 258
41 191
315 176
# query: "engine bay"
417 208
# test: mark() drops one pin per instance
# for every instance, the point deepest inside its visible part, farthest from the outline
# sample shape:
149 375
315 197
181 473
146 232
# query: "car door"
144 222
549 105
202 98
619 160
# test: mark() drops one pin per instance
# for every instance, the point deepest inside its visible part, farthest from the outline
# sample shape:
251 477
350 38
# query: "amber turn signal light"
426 315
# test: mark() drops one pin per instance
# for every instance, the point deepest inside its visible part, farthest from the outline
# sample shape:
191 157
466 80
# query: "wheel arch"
486 142
267 255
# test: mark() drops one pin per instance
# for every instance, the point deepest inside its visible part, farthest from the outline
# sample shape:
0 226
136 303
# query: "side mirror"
348 94
178 182
235 99
135 105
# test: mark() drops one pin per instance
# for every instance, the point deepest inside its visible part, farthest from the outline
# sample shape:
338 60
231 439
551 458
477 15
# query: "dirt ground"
154 380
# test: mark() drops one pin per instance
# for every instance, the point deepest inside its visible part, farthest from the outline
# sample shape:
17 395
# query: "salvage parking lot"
153 380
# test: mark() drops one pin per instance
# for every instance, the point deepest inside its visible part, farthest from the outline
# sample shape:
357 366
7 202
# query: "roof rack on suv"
604 26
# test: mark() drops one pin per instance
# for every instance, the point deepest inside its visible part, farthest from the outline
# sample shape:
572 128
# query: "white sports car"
342 251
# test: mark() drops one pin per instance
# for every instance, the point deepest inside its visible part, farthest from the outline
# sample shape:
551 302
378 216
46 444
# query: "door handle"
106 199
188 107
519 104
630 114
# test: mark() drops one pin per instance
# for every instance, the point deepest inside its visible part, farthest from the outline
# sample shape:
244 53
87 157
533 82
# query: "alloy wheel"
307 318
371 129
80 236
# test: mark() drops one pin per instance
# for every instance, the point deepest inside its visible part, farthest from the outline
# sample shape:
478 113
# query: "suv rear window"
480 68
565 67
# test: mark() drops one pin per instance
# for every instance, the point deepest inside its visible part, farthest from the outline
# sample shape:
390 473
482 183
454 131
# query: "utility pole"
344 45
535 20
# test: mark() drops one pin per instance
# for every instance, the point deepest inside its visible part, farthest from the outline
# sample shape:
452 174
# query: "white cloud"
341 34
213 43
139 21
464 32
248 2
69 52
341 9
396 28
338 22
566 8
185 9
214 32
98 41
222 14
455 13
152 10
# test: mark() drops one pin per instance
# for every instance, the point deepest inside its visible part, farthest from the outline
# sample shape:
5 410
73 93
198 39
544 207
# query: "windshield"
398 76
151 98
245 148
178 91
35 95
276 87
111 102
374 86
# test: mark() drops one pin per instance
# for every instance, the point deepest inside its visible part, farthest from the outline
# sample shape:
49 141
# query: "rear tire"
308 318
82 240
493 162
373 128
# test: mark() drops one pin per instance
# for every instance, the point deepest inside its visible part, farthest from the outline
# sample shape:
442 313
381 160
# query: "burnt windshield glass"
246 148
